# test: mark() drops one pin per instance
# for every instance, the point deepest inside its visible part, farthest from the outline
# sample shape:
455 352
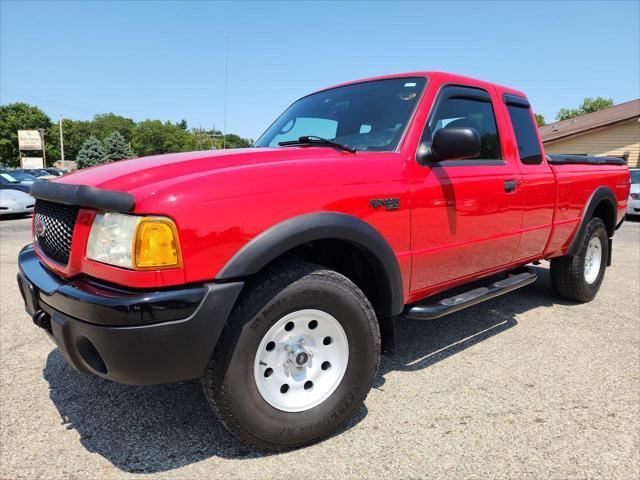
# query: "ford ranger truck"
274 273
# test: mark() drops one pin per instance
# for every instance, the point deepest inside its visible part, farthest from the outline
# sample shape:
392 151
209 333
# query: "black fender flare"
600 194
296 231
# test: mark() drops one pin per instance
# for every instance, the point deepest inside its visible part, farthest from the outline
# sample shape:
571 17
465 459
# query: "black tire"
567 273
229 382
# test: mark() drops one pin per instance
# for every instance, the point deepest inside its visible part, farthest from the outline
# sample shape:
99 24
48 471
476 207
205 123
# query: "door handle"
510 186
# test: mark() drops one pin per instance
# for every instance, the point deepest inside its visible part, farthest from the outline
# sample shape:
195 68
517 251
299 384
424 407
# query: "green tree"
178 140
14 117
92 153
231 140
540 119
104 124
203 139
589 105
152 137
116 147
148 138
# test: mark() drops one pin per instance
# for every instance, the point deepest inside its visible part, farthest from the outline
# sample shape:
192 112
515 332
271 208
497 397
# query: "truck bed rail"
584 159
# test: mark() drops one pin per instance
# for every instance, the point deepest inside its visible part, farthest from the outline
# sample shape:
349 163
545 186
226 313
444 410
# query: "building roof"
591 121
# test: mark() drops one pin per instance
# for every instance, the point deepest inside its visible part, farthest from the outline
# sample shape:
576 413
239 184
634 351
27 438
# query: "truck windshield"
365 116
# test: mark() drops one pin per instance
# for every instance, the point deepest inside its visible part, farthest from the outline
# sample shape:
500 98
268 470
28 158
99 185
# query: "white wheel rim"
593 260
306 351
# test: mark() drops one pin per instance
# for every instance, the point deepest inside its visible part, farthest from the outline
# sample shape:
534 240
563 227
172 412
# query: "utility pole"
61 139
44 151
226 76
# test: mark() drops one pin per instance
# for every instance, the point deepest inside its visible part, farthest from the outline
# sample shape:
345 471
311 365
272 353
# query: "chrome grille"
53 229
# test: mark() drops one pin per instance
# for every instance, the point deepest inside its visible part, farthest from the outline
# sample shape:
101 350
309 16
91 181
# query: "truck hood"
139 176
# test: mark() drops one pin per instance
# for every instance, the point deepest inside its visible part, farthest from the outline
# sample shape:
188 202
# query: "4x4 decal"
387 203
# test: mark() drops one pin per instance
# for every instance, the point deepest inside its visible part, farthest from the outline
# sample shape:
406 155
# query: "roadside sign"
29 140
32 162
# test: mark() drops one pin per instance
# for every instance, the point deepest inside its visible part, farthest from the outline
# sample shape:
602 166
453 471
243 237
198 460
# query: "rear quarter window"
526 135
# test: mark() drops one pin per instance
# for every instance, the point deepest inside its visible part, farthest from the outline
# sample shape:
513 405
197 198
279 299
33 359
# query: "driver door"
467 214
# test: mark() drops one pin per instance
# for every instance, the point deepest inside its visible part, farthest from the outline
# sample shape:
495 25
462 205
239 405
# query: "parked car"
8 182
23 177
15 202
40 173
56 172
275 273
633 207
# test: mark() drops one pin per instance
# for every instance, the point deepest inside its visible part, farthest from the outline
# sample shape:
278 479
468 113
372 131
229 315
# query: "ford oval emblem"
40 227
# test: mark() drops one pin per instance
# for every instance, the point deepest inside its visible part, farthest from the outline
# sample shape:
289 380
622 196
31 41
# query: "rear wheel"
579 277
296 359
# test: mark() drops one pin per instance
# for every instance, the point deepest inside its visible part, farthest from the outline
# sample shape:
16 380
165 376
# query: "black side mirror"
450 144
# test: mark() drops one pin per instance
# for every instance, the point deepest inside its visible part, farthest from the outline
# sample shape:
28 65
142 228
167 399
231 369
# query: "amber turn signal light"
156 244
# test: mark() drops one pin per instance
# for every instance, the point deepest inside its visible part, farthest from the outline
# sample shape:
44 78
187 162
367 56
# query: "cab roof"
443 76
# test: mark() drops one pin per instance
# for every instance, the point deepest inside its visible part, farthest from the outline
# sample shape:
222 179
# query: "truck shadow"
160 428
420 344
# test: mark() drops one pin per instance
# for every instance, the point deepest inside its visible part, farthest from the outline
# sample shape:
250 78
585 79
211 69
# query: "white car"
15 202
633 206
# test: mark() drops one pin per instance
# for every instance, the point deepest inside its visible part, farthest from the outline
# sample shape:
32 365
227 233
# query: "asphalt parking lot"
524 386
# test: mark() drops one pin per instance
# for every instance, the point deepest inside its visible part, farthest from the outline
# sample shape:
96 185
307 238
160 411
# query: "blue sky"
165 59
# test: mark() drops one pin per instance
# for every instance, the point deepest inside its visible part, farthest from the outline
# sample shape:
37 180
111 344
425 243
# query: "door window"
467 113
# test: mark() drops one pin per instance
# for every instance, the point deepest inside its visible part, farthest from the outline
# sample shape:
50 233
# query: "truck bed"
578 178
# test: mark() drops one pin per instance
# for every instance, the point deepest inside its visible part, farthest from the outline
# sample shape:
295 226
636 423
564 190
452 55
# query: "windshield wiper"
315 140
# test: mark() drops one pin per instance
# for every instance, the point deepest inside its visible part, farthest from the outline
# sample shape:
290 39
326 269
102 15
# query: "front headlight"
635 196
134 242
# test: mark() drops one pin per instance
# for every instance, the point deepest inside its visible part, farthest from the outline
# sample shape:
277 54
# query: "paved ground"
525 386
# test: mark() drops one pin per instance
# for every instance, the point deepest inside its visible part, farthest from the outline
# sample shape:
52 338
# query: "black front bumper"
130 336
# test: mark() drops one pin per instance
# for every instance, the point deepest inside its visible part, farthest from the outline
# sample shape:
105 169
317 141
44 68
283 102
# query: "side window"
526 137
468 113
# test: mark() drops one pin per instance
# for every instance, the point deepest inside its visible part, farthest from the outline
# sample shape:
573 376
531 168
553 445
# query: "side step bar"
470 298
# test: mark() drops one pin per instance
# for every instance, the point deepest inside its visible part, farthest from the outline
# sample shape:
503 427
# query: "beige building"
614 132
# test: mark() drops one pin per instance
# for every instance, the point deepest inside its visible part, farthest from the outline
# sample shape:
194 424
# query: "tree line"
107 137
588 105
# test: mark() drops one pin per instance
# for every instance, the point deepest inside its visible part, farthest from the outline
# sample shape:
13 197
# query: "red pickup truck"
274 273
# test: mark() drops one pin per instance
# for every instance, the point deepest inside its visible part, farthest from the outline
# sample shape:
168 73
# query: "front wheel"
579 277
296 359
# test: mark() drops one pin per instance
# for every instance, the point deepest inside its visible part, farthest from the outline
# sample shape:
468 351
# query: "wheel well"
601 204
607 213
361 268
350 261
